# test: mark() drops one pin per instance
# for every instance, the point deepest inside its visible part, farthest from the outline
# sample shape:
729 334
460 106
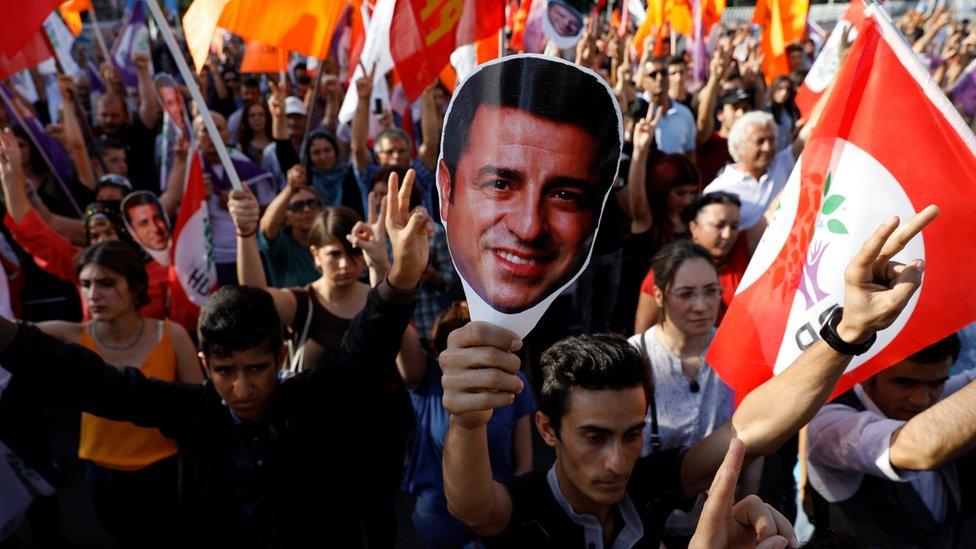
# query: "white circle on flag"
861 196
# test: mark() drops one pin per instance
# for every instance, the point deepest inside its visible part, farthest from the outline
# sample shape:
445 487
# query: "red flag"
851 177
518 25
21 20
32 54
192 272
826 65
424 33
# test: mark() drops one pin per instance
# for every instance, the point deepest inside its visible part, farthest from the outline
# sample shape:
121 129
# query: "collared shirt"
845 444
677 131
630 534
756 196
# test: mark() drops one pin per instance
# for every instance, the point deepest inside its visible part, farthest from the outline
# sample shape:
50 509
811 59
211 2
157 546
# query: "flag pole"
97 31
308 110
81 114
191 84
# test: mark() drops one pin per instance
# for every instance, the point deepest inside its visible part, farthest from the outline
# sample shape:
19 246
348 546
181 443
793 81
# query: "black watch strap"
829 334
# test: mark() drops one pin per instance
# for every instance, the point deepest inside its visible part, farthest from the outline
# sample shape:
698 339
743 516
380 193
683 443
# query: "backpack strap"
652 405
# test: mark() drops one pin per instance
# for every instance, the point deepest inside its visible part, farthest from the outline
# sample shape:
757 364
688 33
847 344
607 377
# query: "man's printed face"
148 226
564 21
526 202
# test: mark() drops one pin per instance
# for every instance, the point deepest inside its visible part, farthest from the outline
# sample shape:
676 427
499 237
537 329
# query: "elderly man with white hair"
759 172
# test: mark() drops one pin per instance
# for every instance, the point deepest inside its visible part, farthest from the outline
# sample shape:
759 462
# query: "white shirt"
683 417
844 444
755 196
677 131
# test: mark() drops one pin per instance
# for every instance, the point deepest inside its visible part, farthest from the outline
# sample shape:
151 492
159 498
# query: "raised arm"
150 111
360 121
480 374
74 141
708 96
276 104
79 379
176 179
942 434
245 212
430 124
875 293
274 215
14 181
640 209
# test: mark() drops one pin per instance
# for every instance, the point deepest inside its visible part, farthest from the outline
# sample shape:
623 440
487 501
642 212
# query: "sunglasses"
301 205
655 74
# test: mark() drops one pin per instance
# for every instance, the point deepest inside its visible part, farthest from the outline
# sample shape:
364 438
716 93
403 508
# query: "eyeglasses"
301 205
688 294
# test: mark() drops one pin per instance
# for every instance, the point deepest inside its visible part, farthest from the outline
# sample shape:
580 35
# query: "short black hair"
250 81
237 318
690 213
596 362
677 60
549 89
948 347
106 143
122 259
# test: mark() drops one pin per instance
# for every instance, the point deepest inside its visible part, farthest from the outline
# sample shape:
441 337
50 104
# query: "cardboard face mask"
528 156
563 24
146 222
171 98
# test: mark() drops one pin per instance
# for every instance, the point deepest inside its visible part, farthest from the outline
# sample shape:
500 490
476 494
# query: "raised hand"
141 61
364 84
408 232
750 523
297 177
276 101
876 289
370 237
644 129
10 157
480 372
244 211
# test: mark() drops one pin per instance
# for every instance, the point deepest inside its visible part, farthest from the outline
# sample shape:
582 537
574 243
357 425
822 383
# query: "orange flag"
303 26
661 14
260 57
518 25
71 13
783 22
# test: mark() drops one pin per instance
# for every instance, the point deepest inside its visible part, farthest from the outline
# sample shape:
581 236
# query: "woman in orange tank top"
132 475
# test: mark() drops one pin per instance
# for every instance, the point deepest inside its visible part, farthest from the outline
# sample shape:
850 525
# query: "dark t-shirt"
140 153
539 521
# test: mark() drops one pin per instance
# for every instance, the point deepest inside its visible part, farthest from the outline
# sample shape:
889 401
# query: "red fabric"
34 51
729 275
517 41
424 33
20 22
712 156
806 97
929 163
56 254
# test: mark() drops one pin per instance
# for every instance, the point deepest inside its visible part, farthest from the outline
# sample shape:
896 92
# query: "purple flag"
133 38
49 148
963 92
95 79
699 51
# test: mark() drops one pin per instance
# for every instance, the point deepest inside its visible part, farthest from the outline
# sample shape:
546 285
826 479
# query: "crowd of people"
335 366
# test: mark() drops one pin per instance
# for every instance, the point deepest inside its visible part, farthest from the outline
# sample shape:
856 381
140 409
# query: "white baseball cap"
294 105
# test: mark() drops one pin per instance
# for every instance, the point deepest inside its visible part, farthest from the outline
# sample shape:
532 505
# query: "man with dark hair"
676 131
113 155
882 456
263 462
523 177
250 95
600 492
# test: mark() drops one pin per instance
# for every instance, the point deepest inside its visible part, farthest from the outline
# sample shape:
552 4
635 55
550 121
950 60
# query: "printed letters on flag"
192 271
424 33
852 176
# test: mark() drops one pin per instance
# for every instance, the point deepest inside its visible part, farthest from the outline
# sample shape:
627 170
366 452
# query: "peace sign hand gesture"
408 233
644 129
877 289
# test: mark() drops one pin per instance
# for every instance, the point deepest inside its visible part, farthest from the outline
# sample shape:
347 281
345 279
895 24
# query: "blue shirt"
424 475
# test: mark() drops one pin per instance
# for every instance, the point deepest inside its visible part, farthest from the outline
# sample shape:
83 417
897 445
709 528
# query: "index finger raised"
861 267
718 506
907 231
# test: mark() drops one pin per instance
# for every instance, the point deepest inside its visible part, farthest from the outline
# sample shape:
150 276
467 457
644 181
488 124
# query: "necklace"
693 384
129 345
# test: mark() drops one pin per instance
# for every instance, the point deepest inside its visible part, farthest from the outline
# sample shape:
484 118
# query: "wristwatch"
829 334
